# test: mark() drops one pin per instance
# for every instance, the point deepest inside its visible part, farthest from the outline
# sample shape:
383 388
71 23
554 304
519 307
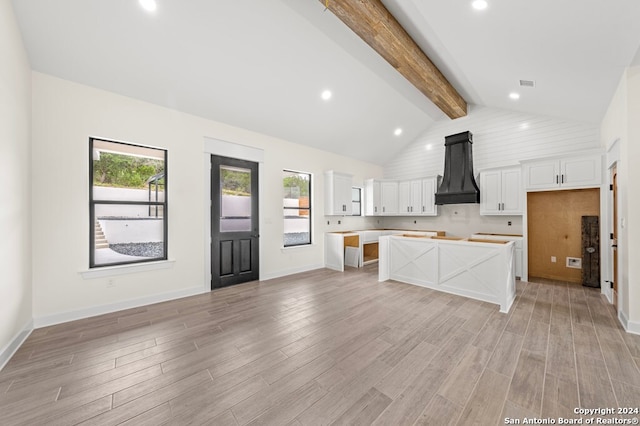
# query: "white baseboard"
629 326
608 293
61 317
291 271
7 352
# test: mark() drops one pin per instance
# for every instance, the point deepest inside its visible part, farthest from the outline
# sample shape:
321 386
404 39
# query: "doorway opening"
554 221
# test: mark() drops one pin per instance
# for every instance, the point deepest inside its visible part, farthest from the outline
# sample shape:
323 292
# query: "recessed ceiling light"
514 95
149 5
326 95
479 4
397 131
428 147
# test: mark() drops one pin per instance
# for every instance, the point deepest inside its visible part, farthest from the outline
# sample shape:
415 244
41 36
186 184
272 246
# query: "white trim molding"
12 347
62 317
109 271
630 326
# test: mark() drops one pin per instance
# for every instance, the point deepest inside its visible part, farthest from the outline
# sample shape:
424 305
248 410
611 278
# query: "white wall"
620 123
614 128
15 175
500 138
65 114
632 196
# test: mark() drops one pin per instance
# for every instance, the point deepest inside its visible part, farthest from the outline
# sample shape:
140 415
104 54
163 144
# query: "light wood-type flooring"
325 347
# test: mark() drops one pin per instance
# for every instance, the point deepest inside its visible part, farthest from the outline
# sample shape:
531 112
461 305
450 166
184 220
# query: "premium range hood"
458 185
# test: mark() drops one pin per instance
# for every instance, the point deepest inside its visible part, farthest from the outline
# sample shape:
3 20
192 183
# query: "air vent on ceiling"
527 83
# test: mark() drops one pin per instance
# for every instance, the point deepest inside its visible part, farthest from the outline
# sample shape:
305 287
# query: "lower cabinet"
334 248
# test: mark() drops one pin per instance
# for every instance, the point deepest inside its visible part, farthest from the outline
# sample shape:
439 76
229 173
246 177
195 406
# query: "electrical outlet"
553 259
339 222
111 283
328 222
509 223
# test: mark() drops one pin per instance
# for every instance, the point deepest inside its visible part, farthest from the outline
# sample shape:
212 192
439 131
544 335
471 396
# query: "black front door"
234 221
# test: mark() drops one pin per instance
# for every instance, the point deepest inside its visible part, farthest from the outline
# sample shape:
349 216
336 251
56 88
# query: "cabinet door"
337 199
342 194
428 201
404 197
542 175
389 197
581 171
415 197
511 192
372 197
490 192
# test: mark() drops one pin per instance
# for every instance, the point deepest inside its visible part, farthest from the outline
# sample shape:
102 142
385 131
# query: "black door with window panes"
234 221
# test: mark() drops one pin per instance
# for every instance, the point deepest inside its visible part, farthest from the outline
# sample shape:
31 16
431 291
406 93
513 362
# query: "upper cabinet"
564 173
337 194
410 197
416 197
381 197
428 200
501 191
388 198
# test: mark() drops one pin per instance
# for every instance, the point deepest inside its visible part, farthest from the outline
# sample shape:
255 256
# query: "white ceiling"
262 64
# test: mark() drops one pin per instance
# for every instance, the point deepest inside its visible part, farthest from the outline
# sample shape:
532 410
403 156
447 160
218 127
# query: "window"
297 208
127 203
356 201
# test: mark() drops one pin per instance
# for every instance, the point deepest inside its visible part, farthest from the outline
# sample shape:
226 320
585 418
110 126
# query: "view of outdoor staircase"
101 240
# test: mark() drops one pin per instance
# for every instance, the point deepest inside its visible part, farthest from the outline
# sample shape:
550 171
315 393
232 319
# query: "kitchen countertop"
498 235
440 233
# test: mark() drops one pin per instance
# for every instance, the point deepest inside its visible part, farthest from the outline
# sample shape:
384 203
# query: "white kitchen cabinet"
428 205
381 197
410 197
518 241
337 200
372 197
564 173
389 197
501 191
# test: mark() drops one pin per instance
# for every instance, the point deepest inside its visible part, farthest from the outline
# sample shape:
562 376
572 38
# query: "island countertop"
475 268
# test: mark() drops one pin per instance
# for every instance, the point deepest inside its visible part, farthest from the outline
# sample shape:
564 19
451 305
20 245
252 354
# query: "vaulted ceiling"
262 64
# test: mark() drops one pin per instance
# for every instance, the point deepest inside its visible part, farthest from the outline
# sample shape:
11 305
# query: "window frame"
93 202
309 209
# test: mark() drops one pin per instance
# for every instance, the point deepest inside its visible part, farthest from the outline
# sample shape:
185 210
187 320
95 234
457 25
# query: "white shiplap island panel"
479 270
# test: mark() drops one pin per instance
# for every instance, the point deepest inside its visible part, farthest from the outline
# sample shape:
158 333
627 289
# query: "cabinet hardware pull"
563 178
557 179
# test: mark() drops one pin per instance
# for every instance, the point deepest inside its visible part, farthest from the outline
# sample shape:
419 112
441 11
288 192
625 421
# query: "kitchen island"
476 268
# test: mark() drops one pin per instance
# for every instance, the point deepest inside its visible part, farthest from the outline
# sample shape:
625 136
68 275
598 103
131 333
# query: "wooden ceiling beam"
371 20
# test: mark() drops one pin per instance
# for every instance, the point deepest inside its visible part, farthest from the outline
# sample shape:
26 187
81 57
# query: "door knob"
591 250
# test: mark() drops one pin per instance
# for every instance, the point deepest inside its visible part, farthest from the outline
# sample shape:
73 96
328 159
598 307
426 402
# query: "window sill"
109 271
302 246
